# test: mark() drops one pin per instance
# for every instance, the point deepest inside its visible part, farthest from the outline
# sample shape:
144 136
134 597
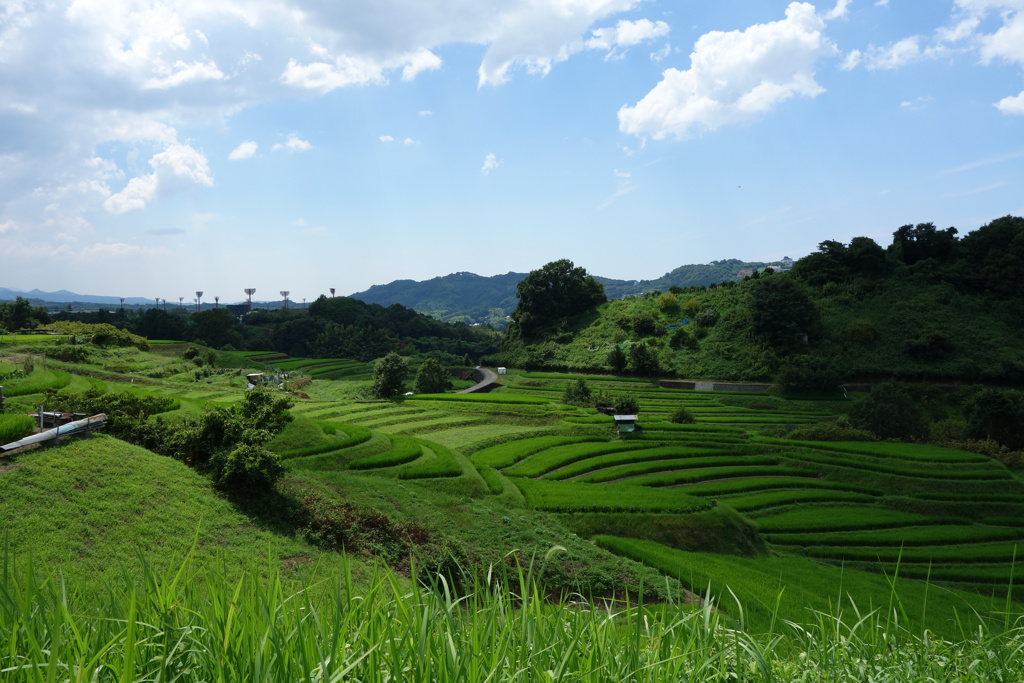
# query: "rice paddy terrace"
660 495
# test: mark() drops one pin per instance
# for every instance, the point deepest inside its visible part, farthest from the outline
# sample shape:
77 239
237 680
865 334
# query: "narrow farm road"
487 380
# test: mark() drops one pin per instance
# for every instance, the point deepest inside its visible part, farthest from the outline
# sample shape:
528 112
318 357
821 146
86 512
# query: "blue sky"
158 147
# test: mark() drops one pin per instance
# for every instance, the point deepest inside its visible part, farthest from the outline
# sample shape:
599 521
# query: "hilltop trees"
557 290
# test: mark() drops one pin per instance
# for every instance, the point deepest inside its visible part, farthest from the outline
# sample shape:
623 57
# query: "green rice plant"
626 457
15 427
908 536
843 518
887 449
355 434
37 382
694 477
403 449
899 469
443 464
560 496
691 468
673 427
722 488
761 593
552 458
493 479
771 499
991 553
479 398
510 452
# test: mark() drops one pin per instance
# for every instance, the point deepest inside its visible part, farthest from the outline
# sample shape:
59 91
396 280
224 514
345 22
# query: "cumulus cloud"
386 139
293 144
1013 105
734 76
839 11
246 150
491 162
177 168
626 34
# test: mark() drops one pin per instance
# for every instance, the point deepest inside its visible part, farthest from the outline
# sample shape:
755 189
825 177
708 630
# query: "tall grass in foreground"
195 624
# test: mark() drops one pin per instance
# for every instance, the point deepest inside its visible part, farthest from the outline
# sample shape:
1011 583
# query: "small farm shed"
626 424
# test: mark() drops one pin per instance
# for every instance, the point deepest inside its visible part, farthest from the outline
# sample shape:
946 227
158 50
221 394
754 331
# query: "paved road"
488 380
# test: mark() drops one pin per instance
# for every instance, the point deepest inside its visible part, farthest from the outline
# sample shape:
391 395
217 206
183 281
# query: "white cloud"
293 144
491 162
734 76
851 60
386 139
882 3
626 34
839 11
894 56
1013 105
425 112
7 226
410 141
246 150
661 54
177 168
424 60
621 174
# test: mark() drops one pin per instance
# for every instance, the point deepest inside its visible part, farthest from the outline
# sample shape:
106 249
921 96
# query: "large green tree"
780 310
389 374
432 378
557 290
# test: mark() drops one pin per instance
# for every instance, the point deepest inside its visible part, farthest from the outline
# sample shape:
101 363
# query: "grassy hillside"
460 489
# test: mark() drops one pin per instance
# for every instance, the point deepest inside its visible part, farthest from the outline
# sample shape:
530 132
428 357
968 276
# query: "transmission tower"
285 295
249 292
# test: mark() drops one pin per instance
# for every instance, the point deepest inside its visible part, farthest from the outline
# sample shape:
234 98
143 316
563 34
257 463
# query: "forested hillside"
466 297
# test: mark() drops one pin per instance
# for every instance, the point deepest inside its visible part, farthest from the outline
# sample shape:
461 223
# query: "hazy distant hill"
474 298
63 296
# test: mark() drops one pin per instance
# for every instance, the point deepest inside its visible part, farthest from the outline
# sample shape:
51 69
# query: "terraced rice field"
946 515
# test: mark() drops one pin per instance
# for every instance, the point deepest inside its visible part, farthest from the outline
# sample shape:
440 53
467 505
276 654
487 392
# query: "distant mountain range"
464 297
474 298
63 296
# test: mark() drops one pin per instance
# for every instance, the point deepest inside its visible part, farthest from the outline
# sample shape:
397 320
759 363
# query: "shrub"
707 317
807 373
682 339
890 412
578 393
627 405
668 302
617 360
682 416
837 430
861 331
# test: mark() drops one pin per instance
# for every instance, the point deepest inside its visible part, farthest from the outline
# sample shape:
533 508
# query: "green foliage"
389 375
555 291
643 360
432 378
707 316
617 360
627 404
101 334
807 374
780 310
890 412
682 339
996 414
15 427
682 416
668 302
578 393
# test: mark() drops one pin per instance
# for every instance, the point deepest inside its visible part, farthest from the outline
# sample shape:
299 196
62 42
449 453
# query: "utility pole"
216 301
250 291
180 299
285 294
199 300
